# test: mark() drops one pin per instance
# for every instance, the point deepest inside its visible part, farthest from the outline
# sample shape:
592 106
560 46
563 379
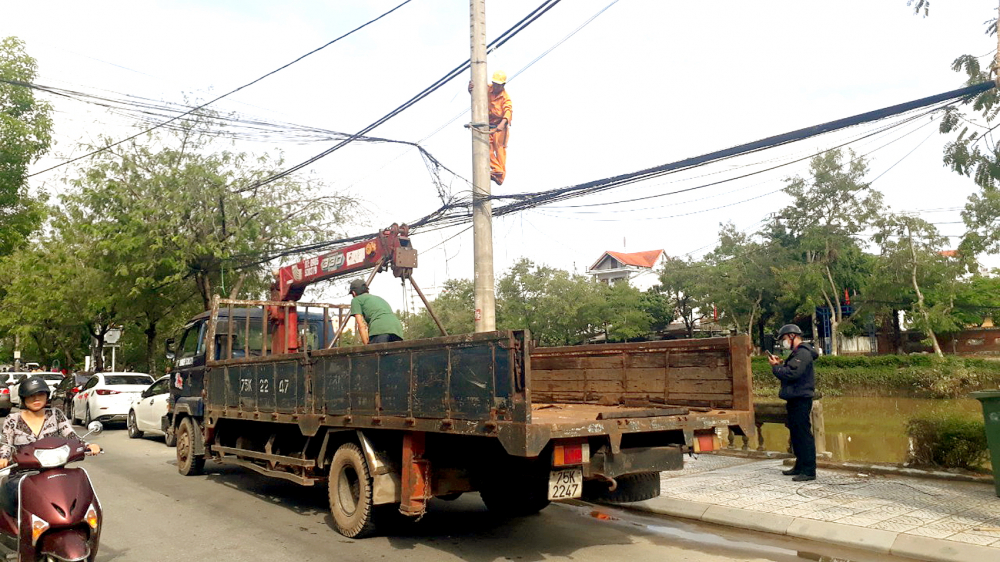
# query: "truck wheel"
188 463
351 493
133 429
631 488
516 499
170 437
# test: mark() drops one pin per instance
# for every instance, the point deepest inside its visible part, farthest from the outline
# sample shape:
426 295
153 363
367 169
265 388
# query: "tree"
826 219
684 282
56 299
557 307
172 217
25 135
623 312
743 284
172 209
913 264
453 307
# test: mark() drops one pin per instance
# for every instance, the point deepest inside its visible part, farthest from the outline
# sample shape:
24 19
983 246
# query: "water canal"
872 428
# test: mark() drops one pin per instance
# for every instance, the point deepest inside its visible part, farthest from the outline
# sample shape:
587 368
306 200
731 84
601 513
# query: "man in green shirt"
377 323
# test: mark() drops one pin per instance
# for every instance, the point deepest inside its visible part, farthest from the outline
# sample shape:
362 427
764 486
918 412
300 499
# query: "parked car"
107 397
148 409
62 395
5 403
51 379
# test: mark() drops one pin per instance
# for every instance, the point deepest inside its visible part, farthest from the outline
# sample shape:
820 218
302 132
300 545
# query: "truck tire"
631 488
133 429
351 493
188 463
517 498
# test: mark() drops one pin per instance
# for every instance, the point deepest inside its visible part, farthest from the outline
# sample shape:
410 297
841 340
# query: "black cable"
98 151
451 75
441 217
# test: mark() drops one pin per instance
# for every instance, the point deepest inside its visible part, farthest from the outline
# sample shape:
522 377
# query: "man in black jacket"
798 386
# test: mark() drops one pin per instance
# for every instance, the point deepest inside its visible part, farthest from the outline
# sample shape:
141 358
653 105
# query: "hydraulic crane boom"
389 249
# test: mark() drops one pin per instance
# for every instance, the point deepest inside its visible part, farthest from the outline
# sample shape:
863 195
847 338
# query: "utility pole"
482 208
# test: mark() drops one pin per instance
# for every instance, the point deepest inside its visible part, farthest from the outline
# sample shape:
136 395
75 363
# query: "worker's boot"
791 472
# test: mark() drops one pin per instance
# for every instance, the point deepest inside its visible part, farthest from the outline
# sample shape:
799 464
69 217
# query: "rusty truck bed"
494 385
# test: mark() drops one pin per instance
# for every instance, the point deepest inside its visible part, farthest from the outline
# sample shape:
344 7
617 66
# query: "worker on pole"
501 112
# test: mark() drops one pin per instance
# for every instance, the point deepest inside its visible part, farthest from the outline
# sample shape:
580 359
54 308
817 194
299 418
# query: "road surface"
152 513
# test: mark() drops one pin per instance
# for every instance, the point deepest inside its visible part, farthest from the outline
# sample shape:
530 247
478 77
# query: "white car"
108 396
51 379
148 408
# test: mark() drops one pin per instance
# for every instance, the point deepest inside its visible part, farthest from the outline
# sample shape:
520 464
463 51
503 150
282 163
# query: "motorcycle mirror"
95 428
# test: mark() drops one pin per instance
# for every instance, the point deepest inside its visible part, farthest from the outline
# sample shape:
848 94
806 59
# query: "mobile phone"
769 354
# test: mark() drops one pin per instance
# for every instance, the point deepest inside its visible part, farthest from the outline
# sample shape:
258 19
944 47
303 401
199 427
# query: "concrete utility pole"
482 208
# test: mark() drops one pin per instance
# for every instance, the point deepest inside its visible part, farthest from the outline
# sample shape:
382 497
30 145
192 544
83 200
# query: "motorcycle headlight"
38 526
49 458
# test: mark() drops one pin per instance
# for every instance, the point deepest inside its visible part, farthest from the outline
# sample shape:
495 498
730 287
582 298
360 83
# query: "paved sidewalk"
913 517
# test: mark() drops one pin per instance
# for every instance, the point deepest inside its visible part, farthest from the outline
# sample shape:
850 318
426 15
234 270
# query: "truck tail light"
570 453
105 392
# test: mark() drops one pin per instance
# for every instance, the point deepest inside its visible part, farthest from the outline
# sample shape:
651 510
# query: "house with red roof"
639 269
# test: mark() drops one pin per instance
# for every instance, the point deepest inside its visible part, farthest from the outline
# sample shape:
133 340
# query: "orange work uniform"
500 109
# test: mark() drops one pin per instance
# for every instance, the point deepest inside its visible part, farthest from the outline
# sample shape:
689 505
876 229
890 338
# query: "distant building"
639 269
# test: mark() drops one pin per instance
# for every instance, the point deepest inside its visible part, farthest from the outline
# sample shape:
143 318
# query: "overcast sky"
646 83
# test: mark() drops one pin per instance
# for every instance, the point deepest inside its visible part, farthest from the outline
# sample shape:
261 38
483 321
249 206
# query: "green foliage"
453 306
25 135
623 312
948 442
685 285
912 375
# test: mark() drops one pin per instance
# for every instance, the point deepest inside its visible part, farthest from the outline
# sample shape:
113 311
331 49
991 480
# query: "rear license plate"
566 484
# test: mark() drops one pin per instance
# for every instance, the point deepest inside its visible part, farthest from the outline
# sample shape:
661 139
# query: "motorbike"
59 517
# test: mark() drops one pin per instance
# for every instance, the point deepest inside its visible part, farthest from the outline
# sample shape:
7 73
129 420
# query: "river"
862 428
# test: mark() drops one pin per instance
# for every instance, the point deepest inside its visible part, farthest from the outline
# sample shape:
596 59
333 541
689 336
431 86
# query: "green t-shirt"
377 314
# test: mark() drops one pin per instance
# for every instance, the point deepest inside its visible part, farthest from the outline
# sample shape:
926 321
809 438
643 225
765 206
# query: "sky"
645 83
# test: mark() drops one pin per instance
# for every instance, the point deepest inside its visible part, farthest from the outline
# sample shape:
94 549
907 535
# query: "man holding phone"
798 386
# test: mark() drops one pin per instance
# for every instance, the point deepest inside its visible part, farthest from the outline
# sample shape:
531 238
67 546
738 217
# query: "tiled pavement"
953 511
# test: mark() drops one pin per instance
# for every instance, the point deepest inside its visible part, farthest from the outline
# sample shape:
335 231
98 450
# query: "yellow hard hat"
500 77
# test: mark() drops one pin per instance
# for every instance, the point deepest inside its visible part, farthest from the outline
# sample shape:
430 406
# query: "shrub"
947 441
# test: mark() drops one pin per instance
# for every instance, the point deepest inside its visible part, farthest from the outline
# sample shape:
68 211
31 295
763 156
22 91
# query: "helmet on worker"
789 329
500 77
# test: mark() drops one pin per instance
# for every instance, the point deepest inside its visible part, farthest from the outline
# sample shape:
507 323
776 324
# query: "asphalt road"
152 513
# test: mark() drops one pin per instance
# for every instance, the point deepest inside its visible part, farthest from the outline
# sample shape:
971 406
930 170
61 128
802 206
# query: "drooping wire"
110 146
451 75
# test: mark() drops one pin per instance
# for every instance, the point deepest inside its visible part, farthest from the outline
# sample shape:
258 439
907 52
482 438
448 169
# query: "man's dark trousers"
800 428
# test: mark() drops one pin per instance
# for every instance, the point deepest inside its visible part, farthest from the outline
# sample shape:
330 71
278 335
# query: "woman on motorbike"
31 423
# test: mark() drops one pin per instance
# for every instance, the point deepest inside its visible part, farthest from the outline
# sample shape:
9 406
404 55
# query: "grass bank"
910 375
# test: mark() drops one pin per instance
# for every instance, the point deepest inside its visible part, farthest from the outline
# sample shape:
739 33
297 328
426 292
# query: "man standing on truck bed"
798 385
377 323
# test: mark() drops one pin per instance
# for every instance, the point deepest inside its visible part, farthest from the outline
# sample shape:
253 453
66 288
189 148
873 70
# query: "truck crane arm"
390 249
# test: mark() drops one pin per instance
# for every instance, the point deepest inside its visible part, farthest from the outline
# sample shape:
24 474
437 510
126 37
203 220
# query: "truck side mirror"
169 348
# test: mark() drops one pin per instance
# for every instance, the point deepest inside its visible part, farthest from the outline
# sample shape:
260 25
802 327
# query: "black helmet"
31 386
789 329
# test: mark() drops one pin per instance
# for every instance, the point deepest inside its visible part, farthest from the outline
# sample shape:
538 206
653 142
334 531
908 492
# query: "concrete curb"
885 542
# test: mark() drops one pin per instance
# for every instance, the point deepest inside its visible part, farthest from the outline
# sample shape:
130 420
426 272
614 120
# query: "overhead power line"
460 212
451 75
206 104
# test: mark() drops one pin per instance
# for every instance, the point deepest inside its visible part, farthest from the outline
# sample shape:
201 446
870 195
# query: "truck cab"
244 330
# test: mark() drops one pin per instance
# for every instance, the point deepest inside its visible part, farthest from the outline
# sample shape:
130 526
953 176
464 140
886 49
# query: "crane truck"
387 427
